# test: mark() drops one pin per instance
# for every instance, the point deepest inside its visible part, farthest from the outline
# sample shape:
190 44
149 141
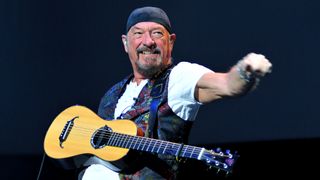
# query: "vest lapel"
142 104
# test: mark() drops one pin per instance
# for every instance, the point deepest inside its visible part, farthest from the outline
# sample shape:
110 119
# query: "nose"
148 41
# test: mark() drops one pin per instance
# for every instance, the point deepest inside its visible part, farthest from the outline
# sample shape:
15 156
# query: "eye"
137 34
157 34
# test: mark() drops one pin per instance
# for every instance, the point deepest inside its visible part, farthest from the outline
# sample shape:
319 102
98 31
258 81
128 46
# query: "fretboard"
154 145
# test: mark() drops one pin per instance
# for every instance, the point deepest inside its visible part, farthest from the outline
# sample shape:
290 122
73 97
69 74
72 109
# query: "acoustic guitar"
78 131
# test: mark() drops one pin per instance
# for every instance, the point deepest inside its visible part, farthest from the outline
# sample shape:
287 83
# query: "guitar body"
79 136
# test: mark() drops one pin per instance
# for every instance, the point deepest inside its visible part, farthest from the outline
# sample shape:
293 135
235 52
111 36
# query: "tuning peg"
218 150
217 163
225 166
228 151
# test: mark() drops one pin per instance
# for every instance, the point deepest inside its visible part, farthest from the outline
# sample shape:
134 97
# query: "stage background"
54 54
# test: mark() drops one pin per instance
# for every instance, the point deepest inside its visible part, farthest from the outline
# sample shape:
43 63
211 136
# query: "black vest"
169 126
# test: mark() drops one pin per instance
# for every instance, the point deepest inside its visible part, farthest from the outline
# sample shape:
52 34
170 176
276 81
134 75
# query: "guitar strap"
156 95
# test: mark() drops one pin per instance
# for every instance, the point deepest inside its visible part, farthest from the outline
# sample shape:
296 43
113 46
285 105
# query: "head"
148 41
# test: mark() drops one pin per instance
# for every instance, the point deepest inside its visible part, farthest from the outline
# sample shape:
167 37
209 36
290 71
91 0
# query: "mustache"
155 50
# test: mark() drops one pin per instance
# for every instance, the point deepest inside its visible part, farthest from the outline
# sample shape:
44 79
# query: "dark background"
54 54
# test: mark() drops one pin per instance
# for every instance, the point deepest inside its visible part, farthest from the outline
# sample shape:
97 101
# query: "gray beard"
149 71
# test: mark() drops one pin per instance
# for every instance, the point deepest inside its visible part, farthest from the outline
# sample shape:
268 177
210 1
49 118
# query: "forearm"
213 86
241 78
240 81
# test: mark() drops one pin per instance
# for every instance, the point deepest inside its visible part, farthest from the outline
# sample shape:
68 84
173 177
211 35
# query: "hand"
256 64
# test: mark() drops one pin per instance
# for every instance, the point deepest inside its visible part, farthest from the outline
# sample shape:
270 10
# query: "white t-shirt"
182 82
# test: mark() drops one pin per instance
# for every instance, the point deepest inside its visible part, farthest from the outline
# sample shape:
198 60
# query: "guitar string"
126 141
121 137
124 138
112 153
134 139
76 145
148 141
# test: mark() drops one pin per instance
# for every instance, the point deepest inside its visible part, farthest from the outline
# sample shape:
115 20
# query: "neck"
138 79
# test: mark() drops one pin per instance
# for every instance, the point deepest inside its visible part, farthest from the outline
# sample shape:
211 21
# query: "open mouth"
148 52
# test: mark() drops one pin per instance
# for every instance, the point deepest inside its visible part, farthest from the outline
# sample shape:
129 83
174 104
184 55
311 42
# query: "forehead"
148 26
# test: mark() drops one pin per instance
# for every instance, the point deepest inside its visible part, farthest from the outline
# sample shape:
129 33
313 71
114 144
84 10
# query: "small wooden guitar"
78 130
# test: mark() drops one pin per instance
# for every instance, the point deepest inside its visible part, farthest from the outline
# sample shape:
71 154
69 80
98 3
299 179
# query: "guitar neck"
154 146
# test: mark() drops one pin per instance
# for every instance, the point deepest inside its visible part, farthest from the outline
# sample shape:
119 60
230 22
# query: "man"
162 98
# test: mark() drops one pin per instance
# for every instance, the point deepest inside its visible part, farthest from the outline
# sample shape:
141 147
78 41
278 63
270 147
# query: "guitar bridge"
66 130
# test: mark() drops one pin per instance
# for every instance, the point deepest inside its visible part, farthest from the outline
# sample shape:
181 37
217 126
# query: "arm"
213 86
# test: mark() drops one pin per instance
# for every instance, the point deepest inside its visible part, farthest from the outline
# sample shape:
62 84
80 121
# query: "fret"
198 150
156 141
126 141
178 149
200 154
184 152
169 148
113 139
144 144
159 147
140 141
153 145
149 143
192 151
110 139
173 149
135 142
164 150
116 141
121 140
131 141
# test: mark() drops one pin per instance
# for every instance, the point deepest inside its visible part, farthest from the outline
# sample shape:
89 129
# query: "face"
149 46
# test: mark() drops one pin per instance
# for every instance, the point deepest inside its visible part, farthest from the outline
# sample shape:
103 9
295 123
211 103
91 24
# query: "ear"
172 39
124 42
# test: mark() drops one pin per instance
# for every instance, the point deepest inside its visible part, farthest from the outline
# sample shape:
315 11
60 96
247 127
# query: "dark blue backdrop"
54 54
59 53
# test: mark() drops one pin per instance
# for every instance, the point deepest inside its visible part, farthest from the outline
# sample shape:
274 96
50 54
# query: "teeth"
146 52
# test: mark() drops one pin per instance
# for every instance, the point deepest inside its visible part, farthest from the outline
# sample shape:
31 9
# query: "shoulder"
186 69
189 66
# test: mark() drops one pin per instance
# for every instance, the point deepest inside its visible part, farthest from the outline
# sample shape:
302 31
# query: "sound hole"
101 137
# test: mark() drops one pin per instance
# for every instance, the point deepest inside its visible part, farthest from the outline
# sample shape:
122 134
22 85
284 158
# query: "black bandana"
148 14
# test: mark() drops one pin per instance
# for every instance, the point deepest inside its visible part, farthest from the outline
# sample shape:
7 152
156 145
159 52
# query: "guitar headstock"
222 161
